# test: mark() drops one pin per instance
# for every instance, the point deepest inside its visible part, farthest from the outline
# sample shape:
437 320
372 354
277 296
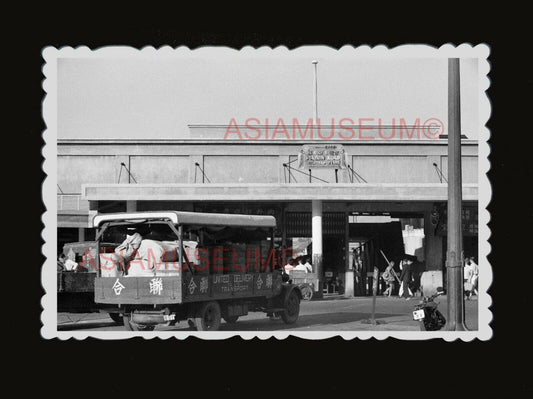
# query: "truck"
190 266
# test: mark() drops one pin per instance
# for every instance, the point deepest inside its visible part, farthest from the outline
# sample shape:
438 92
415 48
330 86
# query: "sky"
158 96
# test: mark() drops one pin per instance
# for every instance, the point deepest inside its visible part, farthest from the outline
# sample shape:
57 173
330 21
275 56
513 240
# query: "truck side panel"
138 290
75 282
232 285
189 288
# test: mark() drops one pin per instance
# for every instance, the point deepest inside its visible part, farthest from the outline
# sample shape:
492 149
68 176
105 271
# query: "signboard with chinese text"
331 156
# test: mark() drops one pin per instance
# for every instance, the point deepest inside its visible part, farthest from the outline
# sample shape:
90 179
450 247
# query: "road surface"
331 314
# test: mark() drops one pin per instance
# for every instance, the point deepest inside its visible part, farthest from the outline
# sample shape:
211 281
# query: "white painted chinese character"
156 286
117 287
269 281
192 286
259 282
203 284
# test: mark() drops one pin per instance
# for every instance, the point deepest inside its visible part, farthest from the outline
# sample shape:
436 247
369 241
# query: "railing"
71 202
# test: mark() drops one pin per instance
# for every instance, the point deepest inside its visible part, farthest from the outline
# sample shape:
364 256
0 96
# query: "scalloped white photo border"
49 112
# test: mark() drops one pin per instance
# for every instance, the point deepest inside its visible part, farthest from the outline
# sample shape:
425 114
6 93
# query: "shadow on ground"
87 325
304 321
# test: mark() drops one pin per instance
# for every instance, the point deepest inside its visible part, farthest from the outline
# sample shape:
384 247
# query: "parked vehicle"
213 267
426 312
305 281
75 288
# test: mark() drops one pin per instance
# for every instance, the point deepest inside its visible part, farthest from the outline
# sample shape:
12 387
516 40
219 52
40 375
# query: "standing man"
475 275
468 277
388 276
405 278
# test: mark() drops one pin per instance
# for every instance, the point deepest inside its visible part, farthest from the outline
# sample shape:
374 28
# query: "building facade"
316 208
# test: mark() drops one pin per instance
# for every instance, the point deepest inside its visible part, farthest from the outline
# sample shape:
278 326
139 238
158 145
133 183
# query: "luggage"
235 258
253 254
109 265
216 264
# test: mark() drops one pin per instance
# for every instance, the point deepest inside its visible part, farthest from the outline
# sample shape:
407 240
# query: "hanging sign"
331 156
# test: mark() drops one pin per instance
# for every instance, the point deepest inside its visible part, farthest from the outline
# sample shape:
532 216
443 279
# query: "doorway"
334 261
373 243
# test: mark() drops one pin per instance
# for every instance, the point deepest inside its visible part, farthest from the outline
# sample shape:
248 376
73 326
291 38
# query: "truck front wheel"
307 292
292 309
208 317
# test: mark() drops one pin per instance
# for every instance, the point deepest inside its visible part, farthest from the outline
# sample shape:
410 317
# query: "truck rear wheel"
292 309
208 317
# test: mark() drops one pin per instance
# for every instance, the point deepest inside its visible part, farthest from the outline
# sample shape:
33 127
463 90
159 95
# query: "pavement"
328 314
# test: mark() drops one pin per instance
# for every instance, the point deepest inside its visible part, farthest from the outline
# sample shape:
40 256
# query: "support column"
81 234
316 225
349 289
131 206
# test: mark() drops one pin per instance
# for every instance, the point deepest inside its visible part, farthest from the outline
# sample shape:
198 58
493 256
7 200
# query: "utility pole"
316 206
454 257
315 94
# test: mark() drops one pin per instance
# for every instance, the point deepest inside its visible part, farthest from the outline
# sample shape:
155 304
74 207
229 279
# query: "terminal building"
331 198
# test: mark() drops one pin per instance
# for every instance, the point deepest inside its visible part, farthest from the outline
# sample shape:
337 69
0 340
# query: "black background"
193 366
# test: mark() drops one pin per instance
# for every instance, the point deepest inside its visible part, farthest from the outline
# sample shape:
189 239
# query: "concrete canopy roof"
189 218
274 192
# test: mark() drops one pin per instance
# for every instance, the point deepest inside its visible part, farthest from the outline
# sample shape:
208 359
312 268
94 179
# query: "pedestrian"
61 262
289 265
416 272
406 277
468 273
303 266
475 275
388 277
308 265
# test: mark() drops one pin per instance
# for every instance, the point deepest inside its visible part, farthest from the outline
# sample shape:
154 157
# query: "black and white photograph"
266 192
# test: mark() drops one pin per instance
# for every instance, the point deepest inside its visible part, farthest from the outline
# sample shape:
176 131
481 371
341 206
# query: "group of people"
407 279
299 264
408 284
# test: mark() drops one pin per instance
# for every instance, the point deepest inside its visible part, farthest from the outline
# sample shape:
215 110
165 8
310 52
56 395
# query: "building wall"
73 170
174 162
241 168
230 162
159 168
